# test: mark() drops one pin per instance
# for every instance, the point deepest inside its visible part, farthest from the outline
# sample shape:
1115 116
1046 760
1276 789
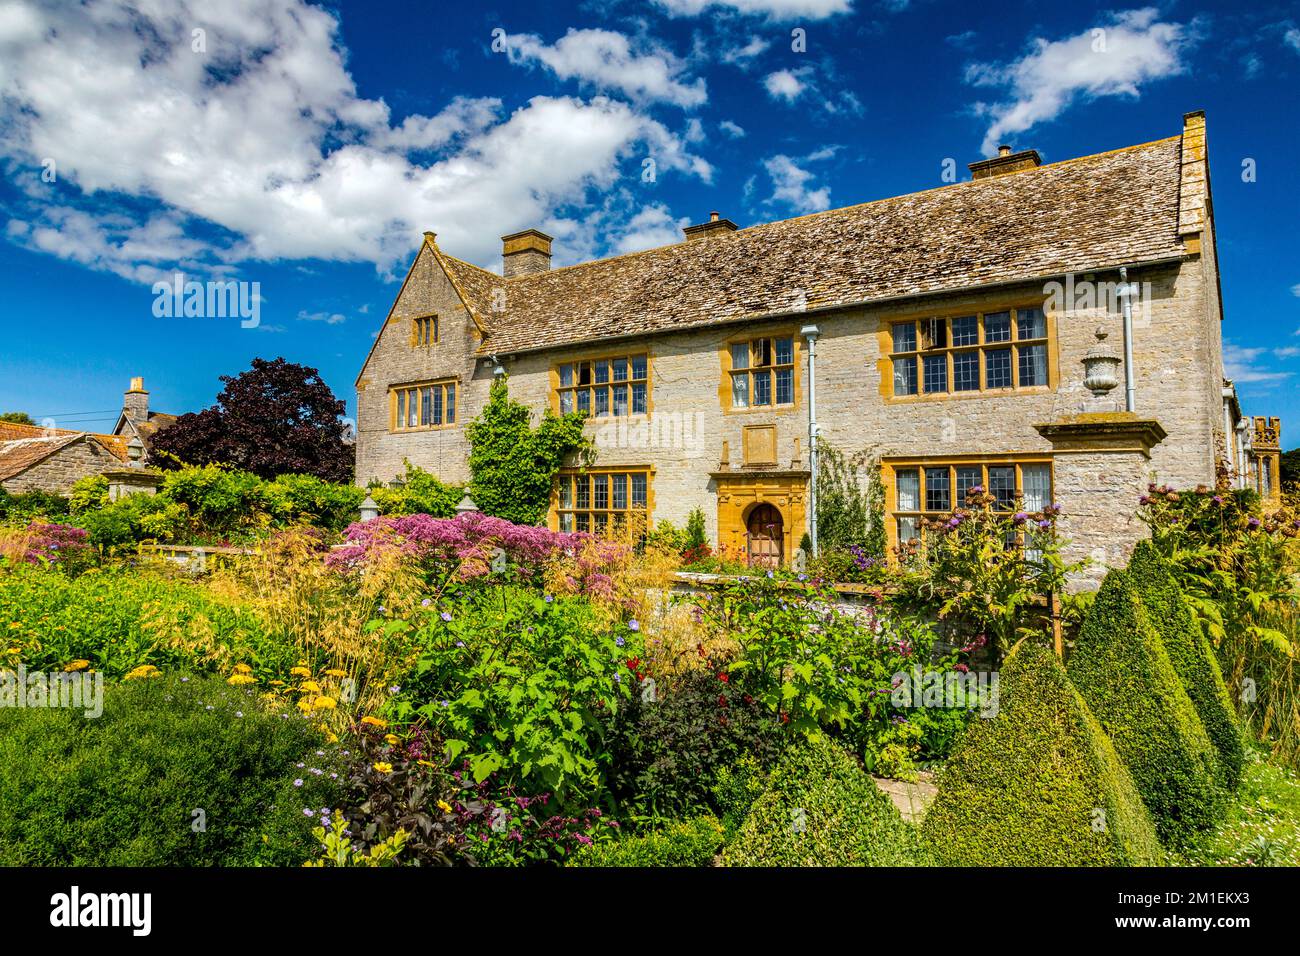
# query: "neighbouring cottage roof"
22 446
1087 214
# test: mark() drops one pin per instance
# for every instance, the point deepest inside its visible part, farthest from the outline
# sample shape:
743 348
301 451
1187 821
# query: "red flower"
785 718
724 678
722 700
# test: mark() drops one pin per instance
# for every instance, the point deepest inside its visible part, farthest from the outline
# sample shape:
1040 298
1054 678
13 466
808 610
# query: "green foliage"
120 618
735 790
669 743
420 493
17 418
1124 673
306 499
1039 783
815 667
689 843
87 493
696 535
338 850
843 508
514 465
521 684
1191 656
123 789
135 518
985 568
666 536
21 509
220 499
821 809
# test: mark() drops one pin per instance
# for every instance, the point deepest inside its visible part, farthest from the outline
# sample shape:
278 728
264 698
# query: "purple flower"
1020 517
548 599
460 643
619 641
298 782
1044 524
425 603
446 616
633 625
1252 524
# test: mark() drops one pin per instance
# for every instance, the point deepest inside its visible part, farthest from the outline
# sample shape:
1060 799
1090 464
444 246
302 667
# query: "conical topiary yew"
1192 657
1124 673
1039 784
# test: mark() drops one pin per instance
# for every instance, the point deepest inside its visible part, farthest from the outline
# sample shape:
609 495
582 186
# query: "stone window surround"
886 341
414 388
891 466
609 511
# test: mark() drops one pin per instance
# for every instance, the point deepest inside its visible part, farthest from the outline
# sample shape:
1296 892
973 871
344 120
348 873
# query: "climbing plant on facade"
512 464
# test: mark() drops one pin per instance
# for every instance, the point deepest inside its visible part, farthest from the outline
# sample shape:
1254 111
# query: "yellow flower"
277 683
444 806
77 665
243 669
392 739
331 737
142 672
324 703
335 672
384 767
238 680
375 722
304 705
310 687
300 671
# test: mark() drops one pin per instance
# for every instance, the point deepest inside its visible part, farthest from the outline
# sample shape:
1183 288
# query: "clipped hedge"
1192 657
687 843
1039 784
821 809
172 773
1124 673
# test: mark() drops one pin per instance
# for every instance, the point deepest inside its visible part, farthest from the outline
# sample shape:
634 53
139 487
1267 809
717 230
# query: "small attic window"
424 330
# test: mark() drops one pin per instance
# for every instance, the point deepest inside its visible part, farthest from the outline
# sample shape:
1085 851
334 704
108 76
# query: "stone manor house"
1046 331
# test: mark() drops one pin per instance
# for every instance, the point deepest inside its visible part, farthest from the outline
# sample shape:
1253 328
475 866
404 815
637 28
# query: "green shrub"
173 773
821 809
690 843
1192 658
133 519
1123 671
87 493
419 493
667 749
307 499
696 534
735 789
221 499
25 507
1039 784
120 618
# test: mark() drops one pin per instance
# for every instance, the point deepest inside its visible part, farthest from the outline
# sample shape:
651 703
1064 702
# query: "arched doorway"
765 536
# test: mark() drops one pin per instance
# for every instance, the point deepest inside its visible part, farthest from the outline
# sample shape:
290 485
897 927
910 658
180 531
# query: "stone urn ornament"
1100 373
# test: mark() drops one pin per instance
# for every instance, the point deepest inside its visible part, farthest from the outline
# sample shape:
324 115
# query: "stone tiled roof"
22 446
1084 214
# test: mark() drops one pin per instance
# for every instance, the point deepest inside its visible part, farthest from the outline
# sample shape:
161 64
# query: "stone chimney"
524 253
716 226
135 403
1006 162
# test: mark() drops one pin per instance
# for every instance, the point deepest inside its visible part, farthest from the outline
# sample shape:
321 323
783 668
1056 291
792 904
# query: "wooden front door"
765 534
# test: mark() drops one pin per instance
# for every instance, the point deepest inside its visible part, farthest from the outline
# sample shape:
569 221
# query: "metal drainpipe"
810 332
1130 385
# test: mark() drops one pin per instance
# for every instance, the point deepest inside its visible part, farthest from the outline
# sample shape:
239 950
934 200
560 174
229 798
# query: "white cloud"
962 41
734 130
1292 39
329 318
1295 289
792 184
771 9
743 56
261 148
787 85
652 226
1240 365
1114 59
607 60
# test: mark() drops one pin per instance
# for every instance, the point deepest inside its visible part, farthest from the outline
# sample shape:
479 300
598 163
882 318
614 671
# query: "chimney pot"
524 253
135 403
1006 162
716 226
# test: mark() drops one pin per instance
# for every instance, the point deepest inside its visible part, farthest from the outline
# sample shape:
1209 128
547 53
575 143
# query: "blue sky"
306 147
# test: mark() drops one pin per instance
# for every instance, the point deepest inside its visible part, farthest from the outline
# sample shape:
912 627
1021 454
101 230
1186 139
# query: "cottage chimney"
716 226
135 402
524 253
1006 162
